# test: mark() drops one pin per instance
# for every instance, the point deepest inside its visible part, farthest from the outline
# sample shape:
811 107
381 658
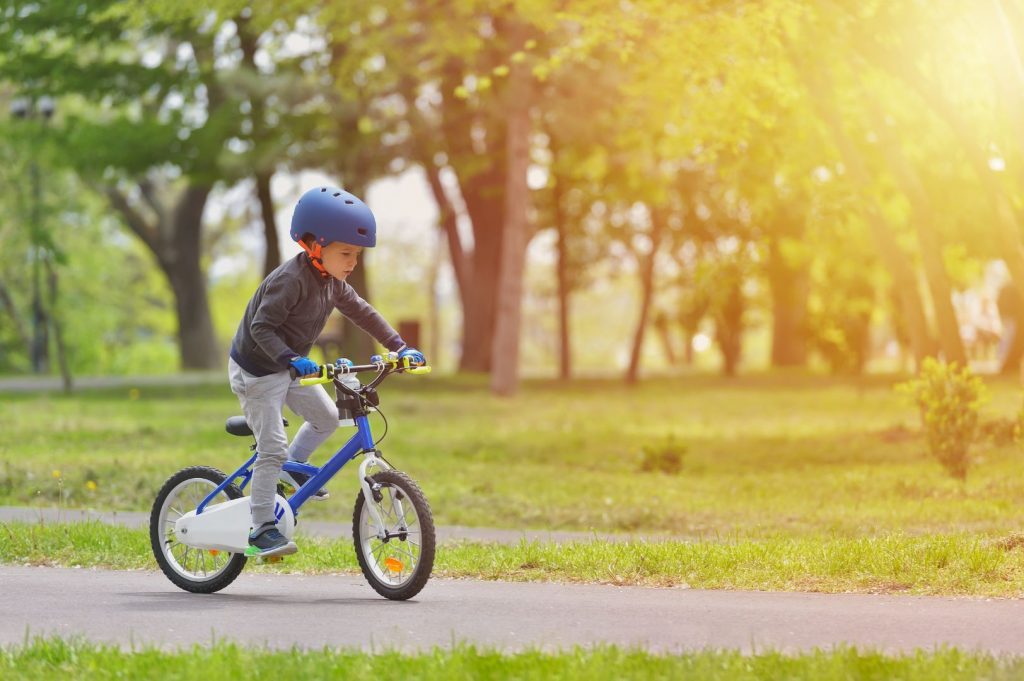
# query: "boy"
283 319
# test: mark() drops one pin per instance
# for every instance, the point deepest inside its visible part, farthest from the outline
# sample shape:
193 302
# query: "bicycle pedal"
263 560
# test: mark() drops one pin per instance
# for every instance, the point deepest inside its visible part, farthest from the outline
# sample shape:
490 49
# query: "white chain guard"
226 526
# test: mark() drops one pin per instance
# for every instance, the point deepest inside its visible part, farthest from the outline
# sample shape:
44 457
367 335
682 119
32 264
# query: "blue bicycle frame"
361 441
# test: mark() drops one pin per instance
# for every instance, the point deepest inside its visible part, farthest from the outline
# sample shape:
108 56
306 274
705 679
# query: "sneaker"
296 480
266 541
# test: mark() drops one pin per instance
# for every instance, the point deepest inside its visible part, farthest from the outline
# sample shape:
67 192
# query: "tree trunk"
482 176
661 325
449 226
19 326
476 270
197 342
729 323
688 347
646 294
434 346
790 289
505 358
925 221
176 247
272 258
479 316
58 334
564 341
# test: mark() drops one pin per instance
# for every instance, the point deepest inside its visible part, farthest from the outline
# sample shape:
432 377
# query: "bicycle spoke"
379 566
400 550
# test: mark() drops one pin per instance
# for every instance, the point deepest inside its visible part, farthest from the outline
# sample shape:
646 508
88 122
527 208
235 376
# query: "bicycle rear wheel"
192 569
398 566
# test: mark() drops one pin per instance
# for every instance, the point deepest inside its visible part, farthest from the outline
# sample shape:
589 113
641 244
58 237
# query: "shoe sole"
286 550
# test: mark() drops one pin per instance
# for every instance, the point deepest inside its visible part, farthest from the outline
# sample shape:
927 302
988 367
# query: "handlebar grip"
326 375
418 370
315 381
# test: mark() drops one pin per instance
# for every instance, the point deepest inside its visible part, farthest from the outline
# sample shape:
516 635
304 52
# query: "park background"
672 261
588 187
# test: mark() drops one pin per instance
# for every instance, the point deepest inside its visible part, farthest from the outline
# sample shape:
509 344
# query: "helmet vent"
349 201
323 189
337 193
362 231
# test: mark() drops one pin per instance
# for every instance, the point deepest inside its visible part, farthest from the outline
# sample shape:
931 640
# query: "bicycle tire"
236 561
425 565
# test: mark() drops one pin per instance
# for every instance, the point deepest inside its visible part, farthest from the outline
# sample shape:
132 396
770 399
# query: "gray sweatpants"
262 398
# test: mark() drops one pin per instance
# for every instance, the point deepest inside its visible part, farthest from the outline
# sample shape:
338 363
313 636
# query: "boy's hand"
304 366
416 358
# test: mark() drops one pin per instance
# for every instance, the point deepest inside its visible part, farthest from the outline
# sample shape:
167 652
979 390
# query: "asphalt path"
144 608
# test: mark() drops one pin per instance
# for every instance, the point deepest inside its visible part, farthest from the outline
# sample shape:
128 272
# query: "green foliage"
664 457
949 399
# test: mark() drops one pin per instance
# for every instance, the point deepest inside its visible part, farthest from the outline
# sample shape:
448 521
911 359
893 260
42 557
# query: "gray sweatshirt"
289 311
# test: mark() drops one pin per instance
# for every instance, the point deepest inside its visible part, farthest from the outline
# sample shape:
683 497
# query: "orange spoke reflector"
214 552
393 564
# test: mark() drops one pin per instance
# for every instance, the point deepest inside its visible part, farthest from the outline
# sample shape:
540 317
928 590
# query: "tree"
174 112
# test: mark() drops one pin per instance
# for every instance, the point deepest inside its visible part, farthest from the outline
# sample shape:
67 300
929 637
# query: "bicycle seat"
237 425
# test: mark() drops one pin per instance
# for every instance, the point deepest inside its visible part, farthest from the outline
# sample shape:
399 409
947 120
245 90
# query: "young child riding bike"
282 321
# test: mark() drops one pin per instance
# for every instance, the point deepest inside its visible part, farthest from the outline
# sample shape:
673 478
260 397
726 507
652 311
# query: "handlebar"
328 372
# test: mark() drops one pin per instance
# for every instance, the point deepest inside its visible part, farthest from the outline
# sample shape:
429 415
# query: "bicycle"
200 522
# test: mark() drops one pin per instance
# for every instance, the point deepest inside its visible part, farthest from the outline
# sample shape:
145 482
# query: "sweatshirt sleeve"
279 298
362 314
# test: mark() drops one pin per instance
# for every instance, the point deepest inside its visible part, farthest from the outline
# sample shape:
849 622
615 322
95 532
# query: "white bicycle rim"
197 565
393 562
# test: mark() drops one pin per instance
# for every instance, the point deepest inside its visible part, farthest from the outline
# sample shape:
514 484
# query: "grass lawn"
764 456
952 565
50 658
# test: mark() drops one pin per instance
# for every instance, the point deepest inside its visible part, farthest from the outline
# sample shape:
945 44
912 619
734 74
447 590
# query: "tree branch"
148 233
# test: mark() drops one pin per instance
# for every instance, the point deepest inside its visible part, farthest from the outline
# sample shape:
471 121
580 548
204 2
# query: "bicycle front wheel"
398 565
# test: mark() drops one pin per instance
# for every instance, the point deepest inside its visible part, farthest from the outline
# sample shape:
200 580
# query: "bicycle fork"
371 493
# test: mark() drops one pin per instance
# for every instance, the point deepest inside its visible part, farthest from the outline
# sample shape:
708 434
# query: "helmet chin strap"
315 254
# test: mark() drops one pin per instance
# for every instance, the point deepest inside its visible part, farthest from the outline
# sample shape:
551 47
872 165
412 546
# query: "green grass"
797 456
52 658
939 565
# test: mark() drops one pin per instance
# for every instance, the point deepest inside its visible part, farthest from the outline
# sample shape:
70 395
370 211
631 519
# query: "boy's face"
340 258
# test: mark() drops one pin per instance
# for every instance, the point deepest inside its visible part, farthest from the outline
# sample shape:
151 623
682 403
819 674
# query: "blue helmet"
332 214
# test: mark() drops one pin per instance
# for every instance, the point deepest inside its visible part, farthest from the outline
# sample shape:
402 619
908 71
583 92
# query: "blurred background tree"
835 182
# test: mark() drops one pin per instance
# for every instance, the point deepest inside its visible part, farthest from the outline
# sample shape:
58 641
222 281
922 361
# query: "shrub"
666 457
948 398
